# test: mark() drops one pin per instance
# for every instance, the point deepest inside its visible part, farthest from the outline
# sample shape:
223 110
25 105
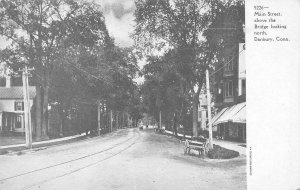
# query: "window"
229 89
19 121
2 82
244 86
19 106
229 62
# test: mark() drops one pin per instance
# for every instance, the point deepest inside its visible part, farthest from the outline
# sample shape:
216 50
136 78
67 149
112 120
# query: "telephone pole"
160 127
27 114
111 120
209 110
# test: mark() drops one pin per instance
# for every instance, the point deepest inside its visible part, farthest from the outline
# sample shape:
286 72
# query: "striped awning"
240 117
235 113
218 115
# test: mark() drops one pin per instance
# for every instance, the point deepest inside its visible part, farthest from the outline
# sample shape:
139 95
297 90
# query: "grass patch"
20 153
219 152
2 152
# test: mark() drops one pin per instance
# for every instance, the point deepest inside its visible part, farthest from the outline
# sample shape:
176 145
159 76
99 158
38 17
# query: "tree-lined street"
125 159
78 79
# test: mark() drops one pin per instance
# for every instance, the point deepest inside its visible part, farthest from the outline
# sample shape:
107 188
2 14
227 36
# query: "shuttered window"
229 89
19 106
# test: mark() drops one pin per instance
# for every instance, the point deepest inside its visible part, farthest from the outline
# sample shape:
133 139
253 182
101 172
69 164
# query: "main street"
125 159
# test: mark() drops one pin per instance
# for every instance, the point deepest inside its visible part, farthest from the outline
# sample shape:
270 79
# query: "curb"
216 143
19 147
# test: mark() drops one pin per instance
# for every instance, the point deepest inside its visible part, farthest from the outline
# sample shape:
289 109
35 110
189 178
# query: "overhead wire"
226 63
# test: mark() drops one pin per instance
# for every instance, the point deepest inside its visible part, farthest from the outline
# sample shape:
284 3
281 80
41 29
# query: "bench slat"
196 145
196 142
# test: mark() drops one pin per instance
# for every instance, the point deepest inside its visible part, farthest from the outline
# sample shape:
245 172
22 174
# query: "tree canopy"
182 39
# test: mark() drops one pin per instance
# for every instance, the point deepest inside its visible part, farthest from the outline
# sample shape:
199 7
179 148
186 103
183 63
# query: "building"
12 107
230 96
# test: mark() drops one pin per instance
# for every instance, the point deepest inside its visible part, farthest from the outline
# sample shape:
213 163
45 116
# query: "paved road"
126 159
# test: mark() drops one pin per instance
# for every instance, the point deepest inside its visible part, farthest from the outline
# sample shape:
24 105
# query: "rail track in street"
74 165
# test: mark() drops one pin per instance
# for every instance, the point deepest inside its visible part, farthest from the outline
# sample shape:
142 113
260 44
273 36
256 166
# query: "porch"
11 124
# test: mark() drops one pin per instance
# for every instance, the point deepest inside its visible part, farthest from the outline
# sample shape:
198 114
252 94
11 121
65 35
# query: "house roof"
16 92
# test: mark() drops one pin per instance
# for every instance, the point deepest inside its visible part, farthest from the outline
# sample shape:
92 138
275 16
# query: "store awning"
218 115
232 114
240 117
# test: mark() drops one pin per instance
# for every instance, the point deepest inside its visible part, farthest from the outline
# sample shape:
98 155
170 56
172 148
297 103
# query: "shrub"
219 152
3 152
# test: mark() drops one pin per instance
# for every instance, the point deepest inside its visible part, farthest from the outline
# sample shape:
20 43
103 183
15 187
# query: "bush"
219 152
2 152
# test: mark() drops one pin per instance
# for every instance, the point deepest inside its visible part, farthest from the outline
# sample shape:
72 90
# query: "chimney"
8 82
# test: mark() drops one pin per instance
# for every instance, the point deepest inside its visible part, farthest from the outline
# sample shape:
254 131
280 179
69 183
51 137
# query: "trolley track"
132 140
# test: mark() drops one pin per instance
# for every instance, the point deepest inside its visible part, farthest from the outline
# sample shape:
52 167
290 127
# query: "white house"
12 107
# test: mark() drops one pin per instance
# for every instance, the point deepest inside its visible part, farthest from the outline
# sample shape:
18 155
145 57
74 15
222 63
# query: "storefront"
230 123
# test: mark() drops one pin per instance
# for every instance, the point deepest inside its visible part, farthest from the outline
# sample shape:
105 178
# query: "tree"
225 32
39 30
177 25
162 91
192 34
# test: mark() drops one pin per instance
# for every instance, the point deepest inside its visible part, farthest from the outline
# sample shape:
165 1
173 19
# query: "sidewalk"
43 143
236 146
231 145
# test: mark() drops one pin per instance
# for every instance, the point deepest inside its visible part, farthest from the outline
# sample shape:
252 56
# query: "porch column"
6 122
14 121
11 122
1 122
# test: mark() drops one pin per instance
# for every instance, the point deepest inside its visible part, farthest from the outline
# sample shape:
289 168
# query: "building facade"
12 107
230 95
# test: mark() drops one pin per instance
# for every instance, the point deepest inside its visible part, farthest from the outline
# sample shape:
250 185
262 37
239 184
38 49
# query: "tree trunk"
45 106
99 118
62 118
122 120
117 119
195 115
175 124
38 113
45 114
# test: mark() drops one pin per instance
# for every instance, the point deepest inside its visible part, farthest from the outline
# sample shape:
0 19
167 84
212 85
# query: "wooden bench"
158 130
201 147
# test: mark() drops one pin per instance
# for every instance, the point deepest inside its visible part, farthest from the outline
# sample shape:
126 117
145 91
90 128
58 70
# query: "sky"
119 19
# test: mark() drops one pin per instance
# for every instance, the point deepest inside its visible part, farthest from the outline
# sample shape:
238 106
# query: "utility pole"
160 120
209 110
27 114
111 120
